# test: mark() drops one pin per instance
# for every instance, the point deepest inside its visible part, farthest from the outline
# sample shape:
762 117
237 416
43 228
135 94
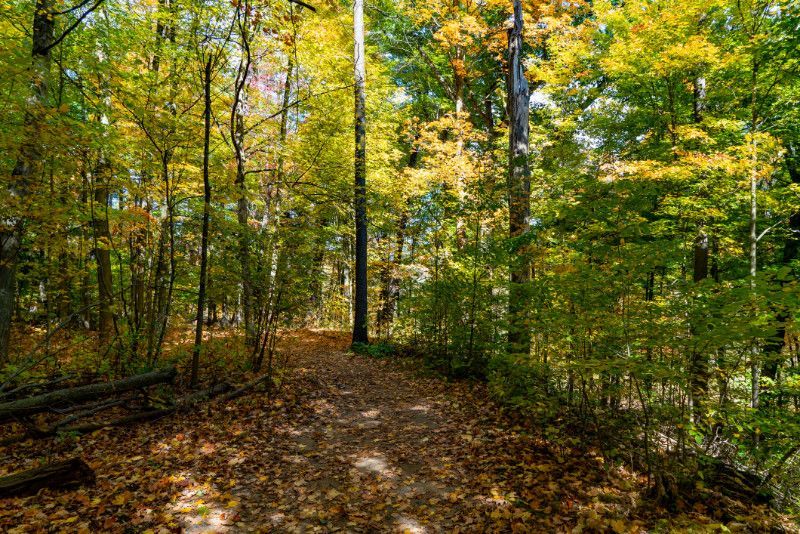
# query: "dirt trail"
375 447
346 444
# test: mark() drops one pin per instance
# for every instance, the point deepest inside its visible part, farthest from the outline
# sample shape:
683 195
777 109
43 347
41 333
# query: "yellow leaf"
618 525
233 504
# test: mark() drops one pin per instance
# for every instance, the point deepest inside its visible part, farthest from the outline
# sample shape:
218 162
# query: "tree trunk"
360 334
67 474
27 165
102 253
698 371
753 228
699 364
201 292
519 189
791 251
45 401
242 206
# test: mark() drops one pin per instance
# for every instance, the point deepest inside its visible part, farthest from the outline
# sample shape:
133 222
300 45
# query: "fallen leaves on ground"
347 444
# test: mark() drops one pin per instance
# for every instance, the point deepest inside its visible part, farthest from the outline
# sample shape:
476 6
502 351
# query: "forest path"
347 443
372 446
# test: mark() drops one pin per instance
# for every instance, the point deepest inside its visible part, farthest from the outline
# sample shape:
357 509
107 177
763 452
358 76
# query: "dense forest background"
176 171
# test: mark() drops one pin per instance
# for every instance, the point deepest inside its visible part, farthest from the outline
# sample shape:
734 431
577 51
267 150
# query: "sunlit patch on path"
374 463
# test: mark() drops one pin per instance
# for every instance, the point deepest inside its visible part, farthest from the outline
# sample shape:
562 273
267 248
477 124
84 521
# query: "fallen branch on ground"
46 401
36 385
225 390
53 429
181 404
243 389
68 473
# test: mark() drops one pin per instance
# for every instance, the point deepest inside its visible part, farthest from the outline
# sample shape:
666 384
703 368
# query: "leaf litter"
348 443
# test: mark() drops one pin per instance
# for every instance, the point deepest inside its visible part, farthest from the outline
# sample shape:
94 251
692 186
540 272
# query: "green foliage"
374 350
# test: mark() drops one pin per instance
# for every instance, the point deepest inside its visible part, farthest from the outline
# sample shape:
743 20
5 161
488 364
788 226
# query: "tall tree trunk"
753 227
360 334
201 292
519 189
159 303
242 205
698 367
754 368
102 253
791 251
698 371
461 186
390 279
27 165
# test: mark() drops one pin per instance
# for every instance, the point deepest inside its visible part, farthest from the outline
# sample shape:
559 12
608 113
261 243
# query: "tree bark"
791 251
45 401
102 253
360 334
519 189
242 205
28 163
698 371
68 473
201 292
390 280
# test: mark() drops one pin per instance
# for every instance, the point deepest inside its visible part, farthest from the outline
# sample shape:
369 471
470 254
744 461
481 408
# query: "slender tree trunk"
102 252
699 364
461 185
698 381
519 189
242 207
390 279
27 165
164 276
201 292
360 201
791 251
753 227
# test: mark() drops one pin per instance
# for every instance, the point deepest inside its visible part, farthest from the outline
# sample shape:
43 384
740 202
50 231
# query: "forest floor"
347 443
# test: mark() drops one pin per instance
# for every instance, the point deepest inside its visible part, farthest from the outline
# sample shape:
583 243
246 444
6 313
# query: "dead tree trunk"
69 473
45 401
519 189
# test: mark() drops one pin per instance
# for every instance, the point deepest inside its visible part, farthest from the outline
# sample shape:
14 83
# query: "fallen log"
181 404
238 392
67 474
45 401
47 384
52 430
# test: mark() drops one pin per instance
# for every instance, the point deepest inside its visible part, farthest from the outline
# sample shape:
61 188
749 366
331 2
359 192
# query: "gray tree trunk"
519 189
